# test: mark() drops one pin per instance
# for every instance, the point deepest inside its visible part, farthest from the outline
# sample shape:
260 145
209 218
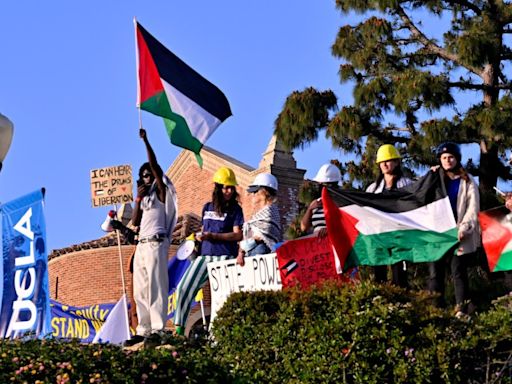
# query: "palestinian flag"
496 227
414 223
191 106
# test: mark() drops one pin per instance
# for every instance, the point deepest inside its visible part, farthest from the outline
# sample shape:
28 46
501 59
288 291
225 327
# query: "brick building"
89 273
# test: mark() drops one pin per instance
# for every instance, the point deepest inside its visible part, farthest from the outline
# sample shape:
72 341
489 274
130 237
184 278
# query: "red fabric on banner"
306 261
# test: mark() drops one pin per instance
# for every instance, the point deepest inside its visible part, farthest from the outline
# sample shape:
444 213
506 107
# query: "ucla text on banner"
260 273
82 323
25 301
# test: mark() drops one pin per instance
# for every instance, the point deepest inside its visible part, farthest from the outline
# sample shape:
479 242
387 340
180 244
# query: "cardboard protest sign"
259 273
111 185
306 261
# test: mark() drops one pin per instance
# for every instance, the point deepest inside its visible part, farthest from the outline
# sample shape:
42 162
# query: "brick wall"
92 276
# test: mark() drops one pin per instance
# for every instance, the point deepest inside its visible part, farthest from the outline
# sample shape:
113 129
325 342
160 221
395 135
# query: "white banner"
260 273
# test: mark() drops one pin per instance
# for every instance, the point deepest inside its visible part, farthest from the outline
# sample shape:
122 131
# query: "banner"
25 301
306 261
82 323
259 273
176 269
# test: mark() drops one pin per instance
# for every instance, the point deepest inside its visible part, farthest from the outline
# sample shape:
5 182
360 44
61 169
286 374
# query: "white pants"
151 286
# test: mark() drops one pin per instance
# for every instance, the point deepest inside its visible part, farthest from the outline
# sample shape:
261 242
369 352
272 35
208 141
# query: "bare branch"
431 46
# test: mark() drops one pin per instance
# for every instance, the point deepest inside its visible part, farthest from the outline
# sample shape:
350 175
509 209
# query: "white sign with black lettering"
260 273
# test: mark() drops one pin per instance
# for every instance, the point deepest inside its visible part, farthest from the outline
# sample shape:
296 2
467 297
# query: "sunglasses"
146 175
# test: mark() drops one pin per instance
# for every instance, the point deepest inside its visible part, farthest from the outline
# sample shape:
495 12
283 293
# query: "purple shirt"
212 222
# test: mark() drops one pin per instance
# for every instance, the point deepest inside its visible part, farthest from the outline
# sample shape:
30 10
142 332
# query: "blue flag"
25 300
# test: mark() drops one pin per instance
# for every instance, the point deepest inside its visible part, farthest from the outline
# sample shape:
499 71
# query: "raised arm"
155 167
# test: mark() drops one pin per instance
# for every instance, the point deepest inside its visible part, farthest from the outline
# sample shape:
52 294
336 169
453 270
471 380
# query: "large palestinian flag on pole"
414 223
496 227
191 106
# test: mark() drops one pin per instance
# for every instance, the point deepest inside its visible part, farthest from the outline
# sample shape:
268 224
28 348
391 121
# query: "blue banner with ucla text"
25 300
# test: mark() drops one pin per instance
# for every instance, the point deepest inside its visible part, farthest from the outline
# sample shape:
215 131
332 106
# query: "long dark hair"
397 173
219 204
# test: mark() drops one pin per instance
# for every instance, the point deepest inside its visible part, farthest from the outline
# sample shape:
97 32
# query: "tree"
407 86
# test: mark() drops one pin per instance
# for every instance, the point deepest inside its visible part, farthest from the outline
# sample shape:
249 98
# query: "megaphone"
107 224
187 249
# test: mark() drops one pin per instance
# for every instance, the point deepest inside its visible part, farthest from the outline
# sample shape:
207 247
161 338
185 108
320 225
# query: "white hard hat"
328 173
263 180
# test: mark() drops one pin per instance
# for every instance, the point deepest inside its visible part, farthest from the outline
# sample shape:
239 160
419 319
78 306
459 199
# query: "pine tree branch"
470 6
479 87
431 46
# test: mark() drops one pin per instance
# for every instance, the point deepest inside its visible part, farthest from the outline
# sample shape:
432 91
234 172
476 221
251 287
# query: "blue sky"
67 76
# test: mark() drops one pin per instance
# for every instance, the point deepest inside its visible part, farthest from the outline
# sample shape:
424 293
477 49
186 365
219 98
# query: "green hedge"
360 334
53 361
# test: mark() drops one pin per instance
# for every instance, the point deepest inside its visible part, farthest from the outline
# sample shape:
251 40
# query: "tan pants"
151 286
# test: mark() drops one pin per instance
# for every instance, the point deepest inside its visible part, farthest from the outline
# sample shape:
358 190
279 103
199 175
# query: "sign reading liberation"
111 185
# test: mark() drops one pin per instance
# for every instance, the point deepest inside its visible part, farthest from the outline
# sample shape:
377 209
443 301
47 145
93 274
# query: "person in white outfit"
155 212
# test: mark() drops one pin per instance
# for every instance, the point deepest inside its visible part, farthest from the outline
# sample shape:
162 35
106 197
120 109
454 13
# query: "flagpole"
118 233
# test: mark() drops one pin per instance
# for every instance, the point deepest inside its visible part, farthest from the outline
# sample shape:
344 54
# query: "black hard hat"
449 147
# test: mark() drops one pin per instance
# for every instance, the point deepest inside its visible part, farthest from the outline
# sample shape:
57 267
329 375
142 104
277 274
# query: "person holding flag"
390 177
156 213
464 199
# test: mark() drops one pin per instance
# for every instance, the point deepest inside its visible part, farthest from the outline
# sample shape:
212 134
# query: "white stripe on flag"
200 122
436 216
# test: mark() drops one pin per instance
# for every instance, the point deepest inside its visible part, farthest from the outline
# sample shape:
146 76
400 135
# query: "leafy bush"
52 361
360 334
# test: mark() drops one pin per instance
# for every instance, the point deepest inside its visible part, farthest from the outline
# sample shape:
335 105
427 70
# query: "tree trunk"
489 159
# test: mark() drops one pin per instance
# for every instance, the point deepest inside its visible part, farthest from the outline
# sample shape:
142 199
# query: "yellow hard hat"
225 176
387 152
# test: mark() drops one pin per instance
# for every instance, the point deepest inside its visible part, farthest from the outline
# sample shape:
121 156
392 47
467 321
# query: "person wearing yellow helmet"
390 177
222 220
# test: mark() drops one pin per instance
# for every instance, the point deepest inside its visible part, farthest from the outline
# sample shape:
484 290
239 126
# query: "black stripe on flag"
424 191
289 267
186 80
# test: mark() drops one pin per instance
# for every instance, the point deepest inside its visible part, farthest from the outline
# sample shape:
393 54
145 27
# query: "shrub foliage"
360 333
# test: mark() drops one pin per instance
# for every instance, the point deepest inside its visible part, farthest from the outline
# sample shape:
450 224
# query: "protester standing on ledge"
390 177
155 213
263 231
222 229
465 202
328 175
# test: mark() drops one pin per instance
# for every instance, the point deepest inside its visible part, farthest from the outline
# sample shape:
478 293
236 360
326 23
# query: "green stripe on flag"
176 126
158 105
504 262
410 245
